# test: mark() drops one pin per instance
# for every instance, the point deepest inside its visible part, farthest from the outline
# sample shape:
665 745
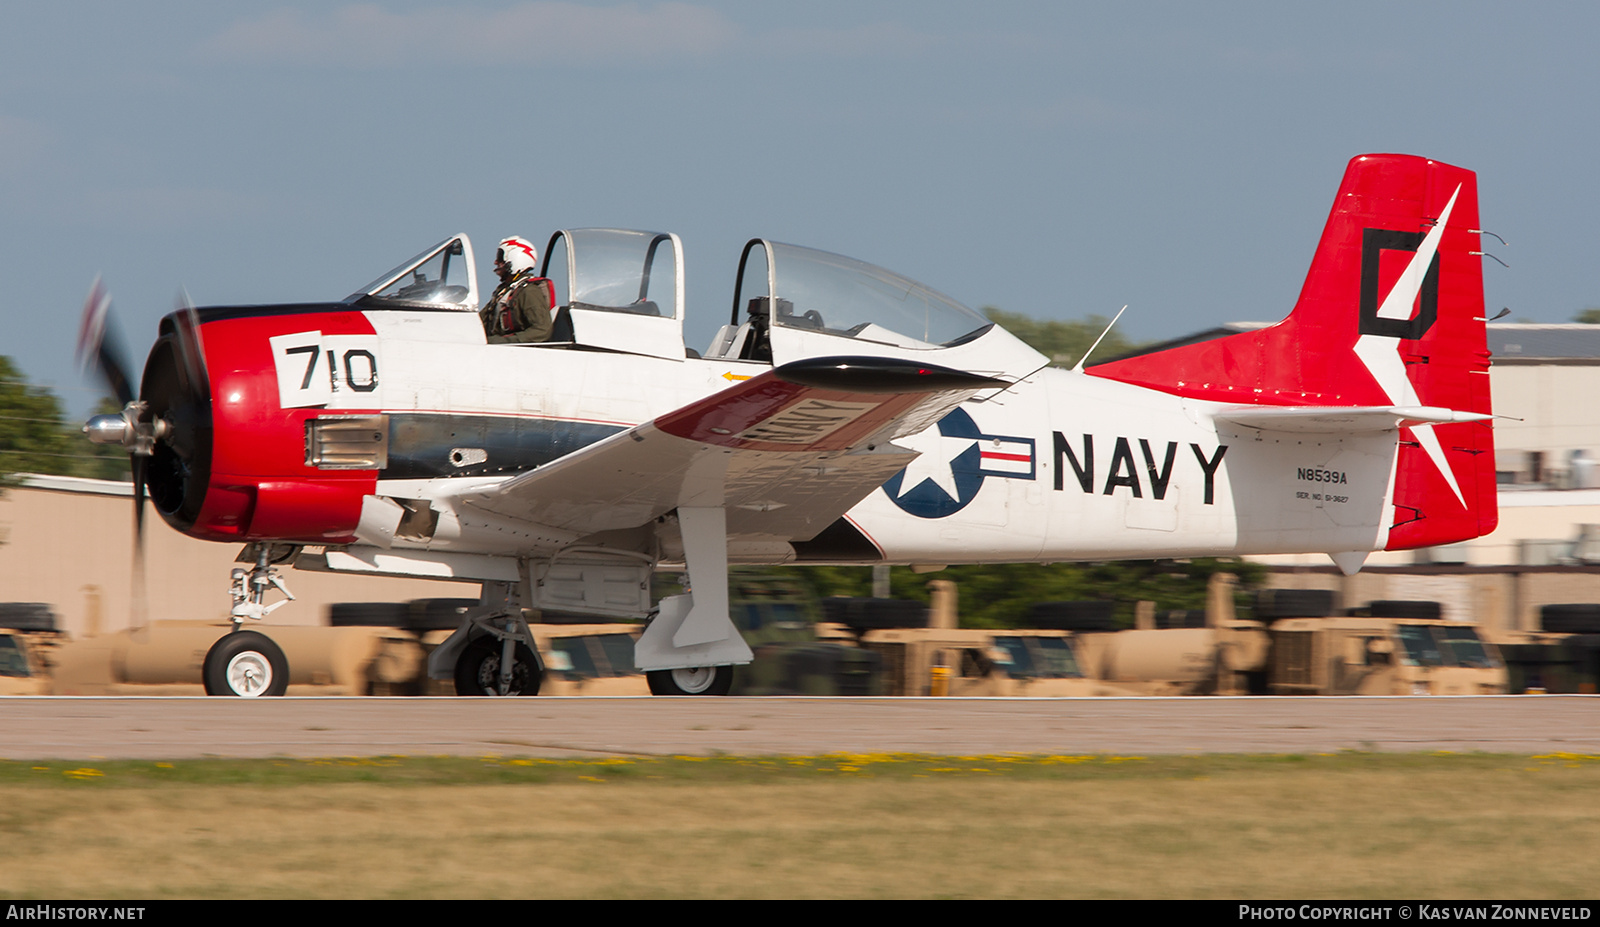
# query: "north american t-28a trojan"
844 415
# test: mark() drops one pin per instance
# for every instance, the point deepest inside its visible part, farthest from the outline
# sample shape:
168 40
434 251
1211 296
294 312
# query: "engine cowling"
231 462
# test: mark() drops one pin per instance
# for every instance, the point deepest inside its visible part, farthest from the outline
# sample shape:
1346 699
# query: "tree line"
36 437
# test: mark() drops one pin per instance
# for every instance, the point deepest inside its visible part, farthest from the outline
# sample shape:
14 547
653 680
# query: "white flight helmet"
517 253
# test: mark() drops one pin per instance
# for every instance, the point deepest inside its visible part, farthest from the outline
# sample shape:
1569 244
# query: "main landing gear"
695 680
691 645
478 669
492 652
248 664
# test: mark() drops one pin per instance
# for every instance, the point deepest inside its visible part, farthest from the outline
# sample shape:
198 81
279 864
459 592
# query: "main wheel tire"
478 669
694 680
1093 615
27 616
862 614
1570 619
1272 604
1181 618
368 614
437 614
1405 608
246 664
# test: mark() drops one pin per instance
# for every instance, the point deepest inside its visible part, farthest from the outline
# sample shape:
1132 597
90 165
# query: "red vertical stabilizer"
1391 314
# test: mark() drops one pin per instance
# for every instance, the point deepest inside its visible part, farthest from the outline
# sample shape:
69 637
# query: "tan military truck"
978 662
795 651
19 673
25 661
589 659
1562 656
1382 656
1224 659
1381 648
1180 652
1295 645
938 658
29 640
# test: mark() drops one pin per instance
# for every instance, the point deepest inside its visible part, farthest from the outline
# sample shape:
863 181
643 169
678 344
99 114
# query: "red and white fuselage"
1358 423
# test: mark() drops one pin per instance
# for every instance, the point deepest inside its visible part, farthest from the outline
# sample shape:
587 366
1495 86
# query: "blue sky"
1055 159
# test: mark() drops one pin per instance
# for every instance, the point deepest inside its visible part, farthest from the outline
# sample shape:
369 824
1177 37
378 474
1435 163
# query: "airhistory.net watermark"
60 912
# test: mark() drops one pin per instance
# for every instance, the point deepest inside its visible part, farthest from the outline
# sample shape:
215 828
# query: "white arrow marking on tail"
1381 353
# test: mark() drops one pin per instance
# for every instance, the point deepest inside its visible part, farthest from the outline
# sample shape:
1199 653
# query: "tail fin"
1391 314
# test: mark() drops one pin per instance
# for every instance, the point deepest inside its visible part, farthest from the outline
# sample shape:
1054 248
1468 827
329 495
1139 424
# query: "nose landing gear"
247 663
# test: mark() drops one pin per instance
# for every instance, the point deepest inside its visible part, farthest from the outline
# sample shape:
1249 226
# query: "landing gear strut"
246 663
690 646
249 587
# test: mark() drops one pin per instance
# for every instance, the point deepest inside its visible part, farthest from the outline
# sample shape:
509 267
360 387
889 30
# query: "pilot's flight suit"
518 310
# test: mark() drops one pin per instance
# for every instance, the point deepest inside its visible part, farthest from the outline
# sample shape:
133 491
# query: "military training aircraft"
844 415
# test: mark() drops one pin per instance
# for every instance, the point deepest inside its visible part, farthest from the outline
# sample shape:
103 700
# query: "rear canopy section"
792 303
617 289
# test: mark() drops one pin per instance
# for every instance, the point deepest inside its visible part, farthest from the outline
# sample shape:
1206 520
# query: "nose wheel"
247 665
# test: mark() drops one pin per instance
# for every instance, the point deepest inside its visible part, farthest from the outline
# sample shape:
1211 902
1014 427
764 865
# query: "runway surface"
178 728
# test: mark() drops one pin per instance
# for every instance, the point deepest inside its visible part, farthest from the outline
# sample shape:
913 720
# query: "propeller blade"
191 347
138 604
99 347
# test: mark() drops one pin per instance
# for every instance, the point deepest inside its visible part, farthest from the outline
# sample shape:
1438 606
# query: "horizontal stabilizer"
1341 419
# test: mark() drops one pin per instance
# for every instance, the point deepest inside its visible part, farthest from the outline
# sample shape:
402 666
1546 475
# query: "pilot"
519 309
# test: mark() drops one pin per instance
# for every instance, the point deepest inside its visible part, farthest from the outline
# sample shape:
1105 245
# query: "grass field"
1351 825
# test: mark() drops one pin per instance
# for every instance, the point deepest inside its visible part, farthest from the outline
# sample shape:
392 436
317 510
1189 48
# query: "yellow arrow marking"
734 376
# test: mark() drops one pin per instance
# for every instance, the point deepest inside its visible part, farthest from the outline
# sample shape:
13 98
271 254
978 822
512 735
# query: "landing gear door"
618 289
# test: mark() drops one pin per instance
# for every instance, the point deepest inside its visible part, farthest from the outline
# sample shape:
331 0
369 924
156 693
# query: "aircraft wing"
785 453
1340 419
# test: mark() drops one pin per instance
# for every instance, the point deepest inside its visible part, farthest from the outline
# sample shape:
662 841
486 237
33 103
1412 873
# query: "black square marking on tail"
1374 241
